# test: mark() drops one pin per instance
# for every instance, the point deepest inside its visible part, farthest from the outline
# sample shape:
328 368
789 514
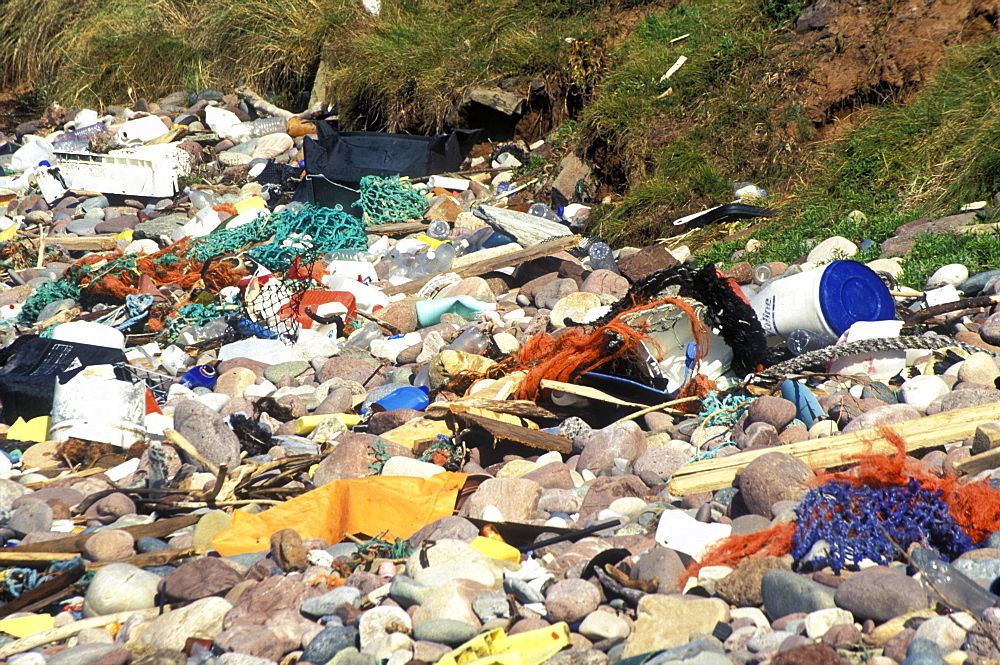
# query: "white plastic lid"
88 332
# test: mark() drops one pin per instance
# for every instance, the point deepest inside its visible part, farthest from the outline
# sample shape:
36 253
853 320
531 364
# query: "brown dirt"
860 53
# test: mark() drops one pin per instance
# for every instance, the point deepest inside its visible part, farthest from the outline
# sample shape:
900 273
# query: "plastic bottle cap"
850 292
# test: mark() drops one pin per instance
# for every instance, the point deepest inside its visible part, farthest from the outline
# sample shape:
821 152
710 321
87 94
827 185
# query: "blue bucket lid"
850 292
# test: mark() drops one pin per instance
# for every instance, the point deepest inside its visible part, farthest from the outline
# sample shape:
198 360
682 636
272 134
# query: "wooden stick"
495 263
919 434
69 630
658 407
11 557
176 438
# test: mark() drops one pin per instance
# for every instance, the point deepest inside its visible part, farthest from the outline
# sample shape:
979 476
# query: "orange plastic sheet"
399 505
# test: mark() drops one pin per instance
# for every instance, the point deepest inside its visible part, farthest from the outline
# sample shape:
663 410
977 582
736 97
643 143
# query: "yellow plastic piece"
8 233
28 625
124 235
496 549
250 204
498 648
36 429
423 237
307 424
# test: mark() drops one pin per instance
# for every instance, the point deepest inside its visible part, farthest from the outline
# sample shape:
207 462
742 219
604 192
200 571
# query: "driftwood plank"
529 437
919 434
495 263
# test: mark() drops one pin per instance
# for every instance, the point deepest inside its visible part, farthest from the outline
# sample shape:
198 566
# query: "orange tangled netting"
168 266
572 352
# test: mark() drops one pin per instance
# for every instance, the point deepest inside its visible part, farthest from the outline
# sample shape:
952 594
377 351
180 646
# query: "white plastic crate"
143 171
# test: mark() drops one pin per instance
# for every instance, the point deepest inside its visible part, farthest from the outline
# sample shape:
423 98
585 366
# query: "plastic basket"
143 171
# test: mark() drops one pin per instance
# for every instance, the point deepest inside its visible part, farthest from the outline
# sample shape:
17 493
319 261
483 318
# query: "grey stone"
445 631
785 592
326 604
29 517
207 432
118 587
329 642
880 593
81 654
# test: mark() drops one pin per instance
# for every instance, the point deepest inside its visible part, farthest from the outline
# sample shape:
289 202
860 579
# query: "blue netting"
724 411
388 200
858 522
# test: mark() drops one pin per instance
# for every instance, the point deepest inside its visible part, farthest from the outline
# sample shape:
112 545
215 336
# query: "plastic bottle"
200 199
802 341
438 229
542 210
601 257
432 262
256 128
762 273
85 133
364 336
470 340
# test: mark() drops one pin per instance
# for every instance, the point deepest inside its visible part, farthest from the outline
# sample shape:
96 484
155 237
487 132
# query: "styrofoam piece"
143 171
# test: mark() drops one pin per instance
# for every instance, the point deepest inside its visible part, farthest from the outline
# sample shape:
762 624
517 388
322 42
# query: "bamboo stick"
919 434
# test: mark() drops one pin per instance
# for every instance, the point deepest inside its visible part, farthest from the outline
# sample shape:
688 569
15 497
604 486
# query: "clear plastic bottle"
253 129
432 262
200 199
601 256
438 229
542 210
364 336
470 340
803 341
762 273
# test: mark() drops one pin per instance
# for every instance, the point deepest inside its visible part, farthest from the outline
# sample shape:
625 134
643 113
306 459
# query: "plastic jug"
37 152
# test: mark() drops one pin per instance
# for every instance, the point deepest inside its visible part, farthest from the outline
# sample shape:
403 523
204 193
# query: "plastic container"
408 397
825 300
83 118
429 312
368 299
96 406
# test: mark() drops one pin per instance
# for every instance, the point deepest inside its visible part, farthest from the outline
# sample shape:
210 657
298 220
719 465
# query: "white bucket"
95 406
88 332
826 300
